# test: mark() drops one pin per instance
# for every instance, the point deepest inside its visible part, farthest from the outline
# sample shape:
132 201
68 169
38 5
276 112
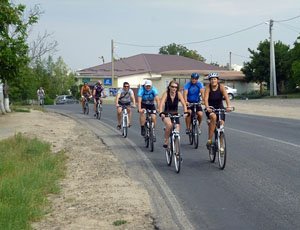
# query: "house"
161 69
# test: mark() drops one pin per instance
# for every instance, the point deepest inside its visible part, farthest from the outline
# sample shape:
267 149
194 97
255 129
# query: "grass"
119 222
28 173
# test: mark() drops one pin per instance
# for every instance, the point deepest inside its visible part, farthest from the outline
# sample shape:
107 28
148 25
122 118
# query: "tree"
258 69
180 50
13 35
295 65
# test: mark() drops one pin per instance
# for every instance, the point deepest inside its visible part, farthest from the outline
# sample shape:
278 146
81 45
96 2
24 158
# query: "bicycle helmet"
99 82
213 75
195 76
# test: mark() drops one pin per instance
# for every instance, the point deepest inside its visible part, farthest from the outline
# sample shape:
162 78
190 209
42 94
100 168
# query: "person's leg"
142 121
119 116
168 127
211 128
129 115
188 122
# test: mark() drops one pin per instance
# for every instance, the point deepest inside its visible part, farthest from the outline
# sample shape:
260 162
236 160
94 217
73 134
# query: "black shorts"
198 108
222 116
149 107
126 103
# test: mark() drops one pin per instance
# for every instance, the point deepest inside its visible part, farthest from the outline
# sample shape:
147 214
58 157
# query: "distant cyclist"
41 95
169 102
193 91
214 94
98 91
85 92
125 96
147 94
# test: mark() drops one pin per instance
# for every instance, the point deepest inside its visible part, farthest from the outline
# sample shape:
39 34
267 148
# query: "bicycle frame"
194 134
149 135
124 120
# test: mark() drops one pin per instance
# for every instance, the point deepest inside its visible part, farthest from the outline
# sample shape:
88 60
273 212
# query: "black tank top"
171 106
215 98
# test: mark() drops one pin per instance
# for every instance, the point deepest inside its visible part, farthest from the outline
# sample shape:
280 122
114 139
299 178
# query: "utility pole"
112 61
273 87
229 67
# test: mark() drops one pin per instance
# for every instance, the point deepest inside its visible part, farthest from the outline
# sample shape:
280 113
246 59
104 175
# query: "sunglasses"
174 86
126 86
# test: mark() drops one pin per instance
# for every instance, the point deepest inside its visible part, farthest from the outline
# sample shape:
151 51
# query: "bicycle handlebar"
174 115
220 110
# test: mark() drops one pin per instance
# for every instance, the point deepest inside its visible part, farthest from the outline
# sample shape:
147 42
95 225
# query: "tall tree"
258 69
13 35
180 50
295 65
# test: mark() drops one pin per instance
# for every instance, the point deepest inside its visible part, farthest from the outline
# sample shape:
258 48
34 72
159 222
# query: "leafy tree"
180 50
13 35
295 65
258 69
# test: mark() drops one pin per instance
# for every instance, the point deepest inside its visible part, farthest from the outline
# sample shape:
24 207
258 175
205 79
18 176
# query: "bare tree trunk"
6 98
2 109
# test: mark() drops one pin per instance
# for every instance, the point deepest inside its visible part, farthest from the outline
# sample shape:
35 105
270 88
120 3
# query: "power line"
240 55
223 36
210 39
289 19
293 28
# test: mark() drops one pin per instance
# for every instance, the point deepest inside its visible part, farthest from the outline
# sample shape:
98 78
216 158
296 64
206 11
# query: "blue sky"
84 28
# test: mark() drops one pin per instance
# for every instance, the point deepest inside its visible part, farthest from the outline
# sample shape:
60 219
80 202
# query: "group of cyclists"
193 92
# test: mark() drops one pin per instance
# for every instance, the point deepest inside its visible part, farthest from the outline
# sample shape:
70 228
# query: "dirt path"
96 191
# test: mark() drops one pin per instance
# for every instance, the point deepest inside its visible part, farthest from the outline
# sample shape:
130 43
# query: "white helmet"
148 82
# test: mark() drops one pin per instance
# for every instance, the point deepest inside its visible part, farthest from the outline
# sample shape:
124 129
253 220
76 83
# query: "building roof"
145 63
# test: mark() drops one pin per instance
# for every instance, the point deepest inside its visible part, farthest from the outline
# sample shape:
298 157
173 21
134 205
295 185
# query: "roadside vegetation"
29 171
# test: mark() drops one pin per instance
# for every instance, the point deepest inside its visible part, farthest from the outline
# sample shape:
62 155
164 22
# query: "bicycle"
194 131
149 129
98 109
218 147
124 120
174 141
86 108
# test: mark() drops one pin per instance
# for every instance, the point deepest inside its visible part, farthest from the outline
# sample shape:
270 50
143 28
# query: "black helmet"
195 76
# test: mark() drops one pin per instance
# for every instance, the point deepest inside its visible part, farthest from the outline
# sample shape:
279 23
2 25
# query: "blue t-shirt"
147 95
193 95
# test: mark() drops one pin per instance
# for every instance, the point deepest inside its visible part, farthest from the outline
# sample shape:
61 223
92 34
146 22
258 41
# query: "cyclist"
214 94
170 100
193 91
85 92
98 90
147 94
41 95
124 97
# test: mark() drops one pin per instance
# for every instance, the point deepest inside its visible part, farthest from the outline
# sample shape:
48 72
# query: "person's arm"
117 99
225 95
181 98
157 102
206 95
132 98
185 93
161 103
202 91
81 91
139 104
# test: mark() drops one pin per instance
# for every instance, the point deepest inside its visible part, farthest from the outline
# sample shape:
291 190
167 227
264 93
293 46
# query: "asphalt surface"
259 188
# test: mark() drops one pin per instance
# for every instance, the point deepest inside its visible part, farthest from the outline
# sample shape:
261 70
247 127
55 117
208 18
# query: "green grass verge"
28 173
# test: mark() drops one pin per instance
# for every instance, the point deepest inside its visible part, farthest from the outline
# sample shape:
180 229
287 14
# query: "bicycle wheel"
169 156
99 109
195 135
151 140
212 152
222 150
146 137
86 108
191 137
177 156
124 127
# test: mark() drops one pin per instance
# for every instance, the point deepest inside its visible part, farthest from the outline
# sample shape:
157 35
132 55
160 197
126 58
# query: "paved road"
259 188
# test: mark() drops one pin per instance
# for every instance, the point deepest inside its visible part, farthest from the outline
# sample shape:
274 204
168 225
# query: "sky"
84 29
